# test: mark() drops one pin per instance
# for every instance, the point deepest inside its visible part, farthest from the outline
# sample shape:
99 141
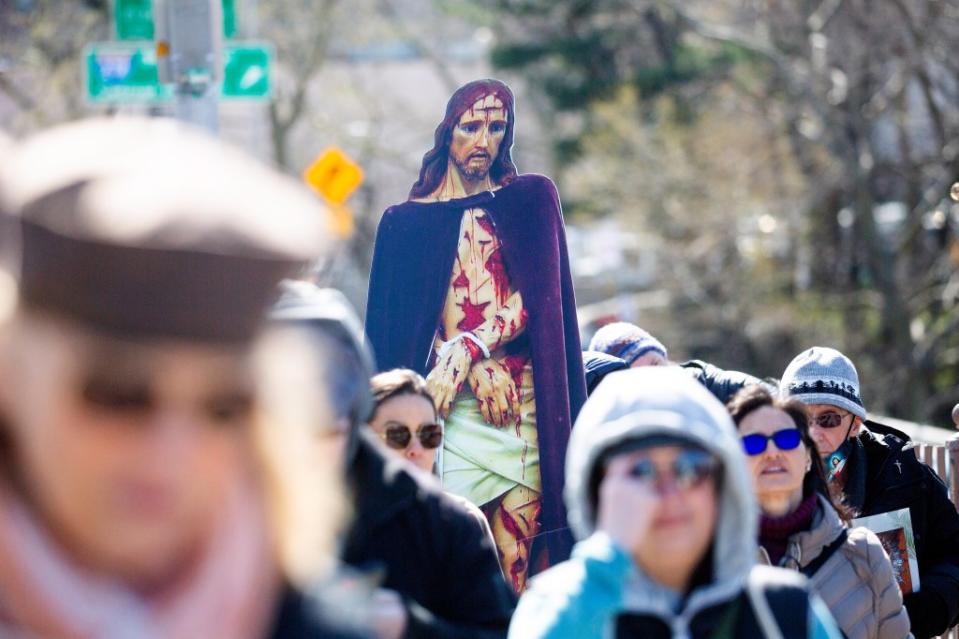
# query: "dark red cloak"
412 262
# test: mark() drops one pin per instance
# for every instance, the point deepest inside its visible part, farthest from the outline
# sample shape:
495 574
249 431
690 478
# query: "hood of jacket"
665 401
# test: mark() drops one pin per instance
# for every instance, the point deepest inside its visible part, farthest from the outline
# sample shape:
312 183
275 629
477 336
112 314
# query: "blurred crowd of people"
196 442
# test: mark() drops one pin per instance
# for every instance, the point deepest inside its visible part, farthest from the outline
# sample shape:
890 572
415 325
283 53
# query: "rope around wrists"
473 344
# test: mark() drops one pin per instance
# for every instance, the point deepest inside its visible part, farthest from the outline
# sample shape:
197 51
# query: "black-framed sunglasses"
690 469
785 439
399 436
829 419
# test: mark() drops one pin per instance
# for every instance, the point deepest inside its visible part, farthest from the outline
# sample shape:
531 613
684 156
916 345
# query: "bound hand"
495 392
447 377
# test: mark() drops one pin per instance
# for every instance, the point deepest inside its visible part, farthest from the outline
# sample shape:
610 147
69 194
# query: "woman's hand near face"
626 505
447 377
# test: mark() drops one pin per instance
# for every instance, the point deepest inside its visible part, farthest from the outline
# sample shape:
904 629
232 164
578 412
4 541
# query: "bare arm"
507 323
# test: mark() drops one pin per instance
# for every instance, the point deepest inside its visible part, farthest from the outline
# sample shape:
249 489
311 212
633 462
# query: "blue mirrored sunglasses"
690 469
785 439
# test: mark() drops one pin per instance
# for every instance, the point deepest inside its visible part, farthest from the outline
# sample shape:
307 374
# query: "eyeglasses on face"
136 399
829 419
399 436
690 469
785 439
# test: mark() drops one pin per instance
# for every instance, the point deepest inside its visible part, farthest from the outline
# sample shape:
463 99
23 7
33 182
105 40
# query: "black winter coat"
883 475
298 618
786 596
434 553
721 383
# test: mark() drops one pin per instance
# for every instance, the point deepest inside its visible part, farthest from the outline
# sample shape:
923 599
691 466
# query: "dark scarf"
412 261
774 532
853 477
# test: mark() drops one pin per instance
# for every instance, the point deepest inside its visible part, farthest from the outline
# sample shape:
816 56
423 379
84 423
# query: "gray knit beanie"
822 375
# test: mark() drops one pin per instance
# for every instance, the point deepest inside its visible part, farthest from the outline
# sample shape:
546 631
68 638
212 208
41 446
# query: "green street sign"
246 72
127 72
229 19
133 19
123 72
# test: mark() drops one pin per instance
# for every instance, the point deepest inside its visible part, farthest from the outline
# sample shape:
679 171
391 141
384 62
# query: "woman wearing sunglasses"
666 516
435 551
802 528
404 417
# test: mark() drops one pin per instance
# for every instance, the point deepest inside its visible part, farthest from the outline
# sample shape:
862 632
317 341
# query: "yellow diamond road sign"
334 175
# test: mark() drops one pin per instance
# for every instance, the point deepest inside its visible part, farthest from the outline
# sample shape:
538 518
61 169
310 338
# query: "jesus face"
477 137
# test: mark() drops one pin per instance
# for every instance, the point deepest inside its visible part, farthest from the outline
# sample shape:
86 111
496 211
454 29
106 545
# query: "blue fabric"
821 623
581 597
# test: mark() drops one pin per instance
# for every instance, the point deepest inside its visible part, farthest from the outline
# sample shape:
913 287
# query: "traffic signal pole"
190 54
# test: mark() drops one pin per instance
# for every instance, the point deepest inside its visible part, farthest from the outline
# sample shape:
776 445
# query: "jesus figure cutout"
470 286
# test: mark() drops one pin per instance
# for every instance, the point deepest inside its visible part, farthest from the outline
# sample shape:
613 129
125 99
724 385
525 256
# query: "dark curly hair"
502 171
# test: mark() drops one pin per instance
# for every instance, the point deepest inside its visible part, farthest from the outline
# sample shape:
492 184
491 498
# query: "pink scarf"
229 591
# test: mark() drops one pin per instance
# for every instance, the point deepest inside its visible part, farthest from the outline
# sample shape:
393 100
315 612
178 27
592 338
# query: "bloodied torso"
481 299
494 465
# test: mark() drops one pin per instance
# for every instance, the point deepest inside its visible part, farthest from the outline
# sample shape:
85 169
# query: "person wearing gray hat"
666 516
145 489
878 472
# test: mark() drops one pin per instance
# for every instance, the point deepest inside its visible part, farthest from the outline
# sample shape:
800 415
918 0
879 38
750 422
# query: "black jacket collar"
381 486
881 458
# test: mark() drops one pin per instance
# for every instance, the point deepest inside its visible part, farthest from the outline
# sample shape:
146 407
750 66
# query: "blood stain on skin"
515 365
523 317
472 315
518 567
486 224
497 270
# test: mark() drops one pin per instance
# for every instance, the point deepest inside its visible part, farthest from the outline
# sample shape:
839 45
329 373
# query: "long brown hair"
502 171
752 398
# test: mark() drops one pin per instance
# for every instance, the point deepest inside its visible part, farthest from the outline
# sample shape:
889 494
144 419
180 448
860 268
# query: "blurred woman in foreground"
149 465
801 528
666 518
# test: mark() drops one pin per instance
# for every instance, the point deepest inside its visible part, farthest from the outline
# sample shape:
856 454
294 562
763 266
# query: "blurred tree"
795 156
302 31
41 42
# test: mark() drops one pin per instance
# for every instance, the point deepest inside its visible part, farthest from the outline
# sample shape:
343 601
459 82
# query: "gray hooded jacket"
583 596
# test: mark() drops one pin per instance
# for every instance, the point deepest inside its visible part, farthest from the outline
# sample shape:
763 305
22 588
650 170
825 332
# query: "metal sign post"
190 38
